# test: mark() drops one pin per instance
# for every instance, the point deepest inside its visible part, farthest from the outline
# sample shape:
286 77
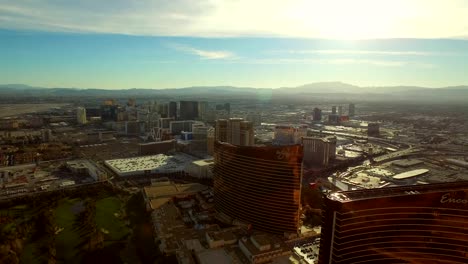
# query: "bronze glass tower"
411 224
259 185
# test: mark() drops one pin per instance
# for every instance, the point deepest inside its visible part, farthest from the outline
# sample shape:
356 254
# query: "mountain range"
322 89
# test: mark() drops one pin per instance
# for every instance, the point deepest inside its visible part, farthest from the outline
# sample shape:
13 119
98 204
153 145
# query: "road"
362 137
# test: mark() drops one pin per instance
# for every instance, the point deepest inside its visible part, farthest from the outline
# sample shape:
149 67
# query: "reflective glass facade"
412 224
259 185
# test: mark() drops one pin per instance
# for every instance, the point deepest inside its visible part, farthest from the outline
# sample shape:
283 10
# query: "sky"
252 43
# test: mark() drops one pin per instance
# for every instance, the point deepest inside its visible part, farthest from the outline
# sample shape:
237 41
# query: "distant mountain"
18 87
322 90
322 87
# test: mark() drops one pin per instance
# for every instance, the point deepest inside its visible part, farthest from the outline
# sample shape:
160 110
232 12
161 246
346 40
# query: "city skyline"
182 44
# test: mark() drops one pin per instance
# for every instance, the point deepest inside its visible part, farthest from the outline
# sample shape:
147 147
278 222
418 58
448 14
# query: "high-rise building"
221 130
210 139
373 129
333 110
340 110
287 135
333 119
235 131
176 127
318 151
163 110
188 110
258 186
351 110
109 112
173 110
202 110
412 224
81 115
317 114
247 134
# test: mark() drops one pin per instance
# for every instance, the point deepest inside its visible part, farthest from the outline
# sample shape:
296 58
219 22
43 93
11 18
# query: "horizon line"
233 86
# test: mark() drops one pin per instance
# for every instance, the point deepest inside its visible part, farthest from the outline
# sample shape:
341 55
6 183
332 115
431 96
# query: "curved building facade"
411 224
259 185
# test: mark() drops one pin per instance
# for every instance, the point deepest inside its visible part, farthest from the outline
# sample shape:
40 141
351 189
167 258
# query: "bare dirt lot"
11 110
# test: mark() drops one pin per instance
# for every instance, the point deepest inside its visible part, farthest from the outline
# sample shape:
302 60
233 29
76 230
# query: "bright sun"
346 19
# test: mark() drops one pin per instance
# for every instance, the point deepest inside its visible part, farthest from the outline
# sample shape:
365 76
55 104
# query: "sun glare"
345 19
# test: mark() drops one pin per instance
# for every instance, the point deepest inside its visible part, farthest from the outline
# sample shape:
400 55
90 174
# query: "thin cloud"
336 19
358 52
380 63
205 54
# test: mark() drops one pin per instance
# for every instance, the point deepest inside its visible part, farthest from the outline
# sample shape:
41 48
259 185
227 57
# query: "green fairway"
106 209
67 240
29 254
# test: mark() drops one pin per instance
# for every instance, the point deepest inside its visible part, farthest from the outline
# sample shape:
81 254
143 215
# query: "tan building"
318 151
201 169
235 131
210 139
221 130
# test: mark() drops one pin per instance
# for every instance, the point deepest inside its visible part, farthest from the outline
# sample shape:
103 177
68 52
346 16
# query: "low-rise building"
84 167
149 164
202 169
262 248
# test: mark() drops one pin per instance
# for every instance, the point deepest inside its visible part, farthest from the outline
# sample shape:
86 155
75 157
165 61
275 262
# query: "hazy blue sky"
164 44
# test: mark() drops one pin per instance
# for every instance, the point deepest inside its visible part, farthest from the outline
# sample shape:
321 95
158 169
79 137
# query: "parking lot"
309 251
110 150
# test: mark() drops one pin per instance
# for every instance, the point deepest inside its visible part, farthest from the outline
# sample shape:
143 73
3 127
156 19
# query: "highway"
361 137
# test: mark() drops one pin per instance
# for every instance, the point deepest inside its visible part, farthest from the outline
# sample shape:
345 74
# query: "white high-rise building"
340 110
81 115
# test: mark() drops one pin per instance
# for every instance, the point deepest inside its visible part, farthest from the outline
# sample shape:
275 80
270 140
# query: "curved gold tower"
259 185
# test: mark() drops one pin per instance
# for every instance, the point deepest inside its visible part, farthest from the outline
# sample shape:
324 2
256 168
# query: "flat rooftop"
410 174
214 256
172 189
407 163
204 162
150 163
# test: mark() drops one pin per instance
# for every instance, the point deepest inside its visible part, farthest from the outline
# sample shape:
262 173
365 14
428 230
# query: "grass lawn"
28 254
67 240
105 218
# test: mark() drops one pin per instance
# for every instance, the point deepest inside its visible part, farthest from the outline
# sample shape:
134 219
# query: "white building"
81 115
201 169
149 164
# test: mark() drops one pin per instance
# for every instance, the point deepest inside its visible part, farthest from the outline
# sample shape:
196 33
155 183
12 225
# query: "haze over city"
220 132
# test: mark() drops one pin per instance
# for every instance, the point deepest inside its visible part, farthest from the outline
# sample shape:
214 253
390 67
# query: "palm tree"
85 226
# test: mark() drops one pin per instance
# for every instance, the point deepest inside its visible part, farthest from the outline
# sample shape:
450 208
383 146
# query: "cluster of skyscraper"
236 131
335 116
